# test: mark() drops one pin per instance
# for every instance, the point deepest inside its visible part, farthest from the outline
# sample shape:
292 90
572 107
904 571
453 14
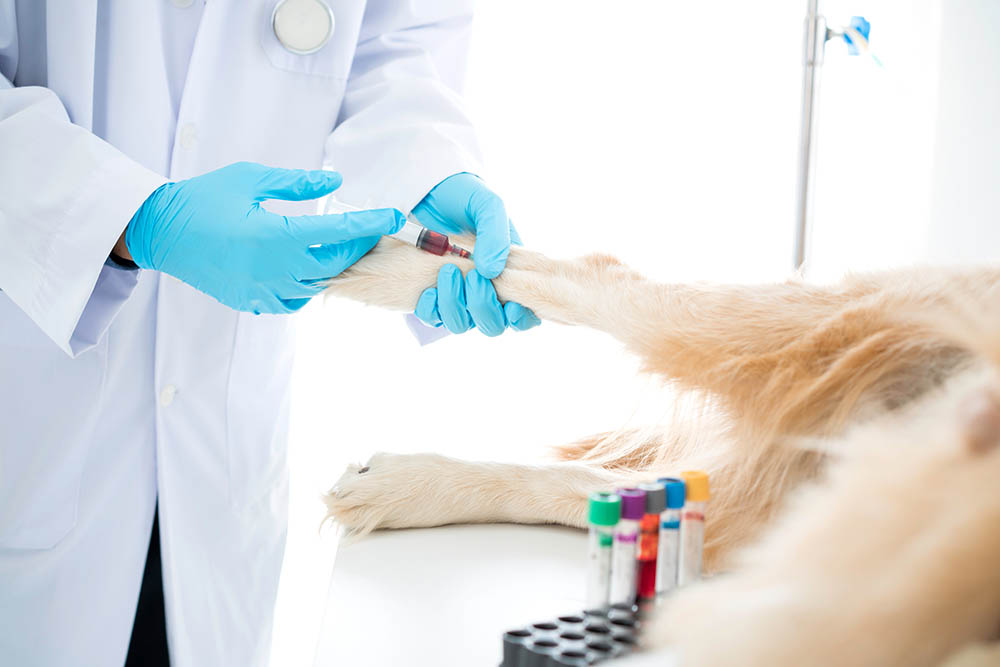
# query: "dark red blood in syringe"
433 242
439 244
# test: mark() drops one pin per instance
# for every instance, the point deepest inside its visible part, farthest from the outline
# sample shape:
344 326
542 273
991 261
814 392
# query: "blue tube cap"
675 491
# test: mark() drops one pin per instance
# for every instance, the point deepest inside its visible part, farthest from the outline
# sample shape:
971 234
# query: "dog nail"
363 470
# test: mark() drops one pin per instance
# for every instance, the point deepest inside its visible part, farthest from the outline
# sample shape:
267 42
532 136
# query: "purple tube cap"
633 503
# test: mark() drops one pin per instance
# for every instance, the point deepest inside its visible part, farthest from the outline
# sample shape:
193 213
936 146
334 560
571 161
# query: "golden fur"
849 431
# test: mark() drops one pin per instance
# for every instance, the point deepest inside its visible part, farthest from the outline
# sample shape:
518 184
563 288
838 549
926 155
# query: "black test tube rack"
575 640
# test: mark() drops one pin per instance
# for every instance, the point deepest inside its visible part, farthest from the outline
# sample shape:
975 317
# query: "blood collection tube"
670 524
605 510
623 557
692 534
649 537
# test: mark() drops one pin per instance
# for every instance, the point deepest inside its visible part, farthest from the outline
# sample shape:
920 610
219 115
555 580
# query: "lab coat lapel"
71 34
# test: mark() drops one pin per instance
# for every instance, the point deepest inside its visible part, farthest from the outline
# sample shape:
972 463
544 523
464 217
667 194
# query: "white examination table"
442 597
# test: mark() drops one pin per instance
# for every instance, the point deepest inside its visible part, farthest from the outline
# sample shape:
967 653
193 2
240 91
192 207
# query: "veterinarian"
136 380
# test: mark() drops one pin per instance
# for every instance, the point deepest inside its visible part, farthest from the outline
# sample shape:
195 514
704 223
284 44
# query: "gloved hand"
461 204
211 232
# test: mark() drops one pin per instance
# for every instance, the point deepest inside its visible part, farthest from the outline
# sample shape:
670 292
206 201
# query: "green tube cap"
605 508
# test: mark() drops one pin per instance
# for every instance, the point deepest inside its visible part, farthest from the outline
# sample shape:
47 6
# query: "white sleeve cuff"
78 252
425 334
65 197
113 288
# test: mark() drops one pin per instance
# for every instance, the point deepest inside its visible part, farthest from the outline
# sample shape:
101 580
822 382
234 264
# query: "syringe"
412 233
416 234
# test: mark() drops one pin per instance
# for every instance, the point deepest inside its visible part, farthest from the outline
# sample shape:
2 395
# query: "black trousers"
148 646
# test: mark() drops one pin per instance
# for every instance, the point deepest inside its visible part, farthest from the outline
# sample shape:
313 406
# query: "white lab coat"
118 387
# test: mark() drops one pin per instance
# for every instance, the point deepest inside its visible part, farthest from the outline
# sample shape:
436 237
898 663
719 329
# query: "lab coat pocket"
333 59
48 415
257 408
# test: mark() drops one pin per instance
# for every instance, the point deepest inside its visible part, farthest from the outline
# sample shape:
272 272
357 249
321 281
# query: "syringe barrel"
410 233
433 242
423 238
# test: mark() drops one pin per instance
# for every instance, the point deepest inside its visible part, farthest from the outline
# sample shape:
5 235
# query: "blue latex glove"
463 204
211 232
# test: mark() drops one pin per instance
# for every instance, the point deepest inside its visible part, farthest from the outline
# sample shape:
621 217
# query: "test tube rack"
587 638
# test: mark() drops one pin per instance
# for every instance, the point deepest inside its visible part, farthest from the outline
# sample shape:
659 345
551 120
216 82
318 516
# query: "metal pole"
814 43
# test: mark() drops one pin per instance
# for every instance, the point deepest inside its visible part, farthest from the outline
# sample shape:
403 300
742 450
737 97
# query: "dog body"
849 433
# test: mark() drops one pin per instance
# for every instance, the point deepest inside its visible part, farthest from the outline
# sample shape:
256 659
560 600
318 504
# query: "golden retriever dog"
850 433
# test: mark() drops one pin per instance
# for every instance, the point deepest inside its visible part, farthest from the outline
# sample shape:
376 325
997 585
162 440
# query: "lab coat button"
167 395
189 136
183 4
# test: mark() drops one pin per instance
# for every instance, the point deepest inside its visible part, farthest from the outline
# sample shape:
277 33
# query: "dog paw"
392 491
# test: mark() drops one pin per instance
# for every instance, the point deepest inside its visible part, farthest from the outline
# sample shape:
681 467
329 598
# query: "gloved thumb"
296 184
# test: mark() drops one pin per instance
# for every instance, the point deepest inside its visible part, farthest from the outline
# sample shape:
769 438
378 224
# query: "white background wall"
876 140
663 132
965 193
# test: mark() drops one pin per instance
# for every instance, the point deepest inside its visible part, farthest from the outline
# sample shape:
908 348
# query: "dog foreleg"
422 490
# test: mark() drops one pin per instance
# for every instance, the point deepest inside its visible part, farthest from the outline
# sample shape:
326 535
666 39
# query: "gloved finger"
327 261
319 283
451 299
489 216
267 304
293 305
296 184
301 289
340 227
519 317
427 308
515 238
484 307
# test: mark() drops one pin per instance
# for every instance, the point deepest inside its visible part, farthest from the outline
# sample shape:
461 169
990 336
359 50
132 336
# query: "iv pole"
815 38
